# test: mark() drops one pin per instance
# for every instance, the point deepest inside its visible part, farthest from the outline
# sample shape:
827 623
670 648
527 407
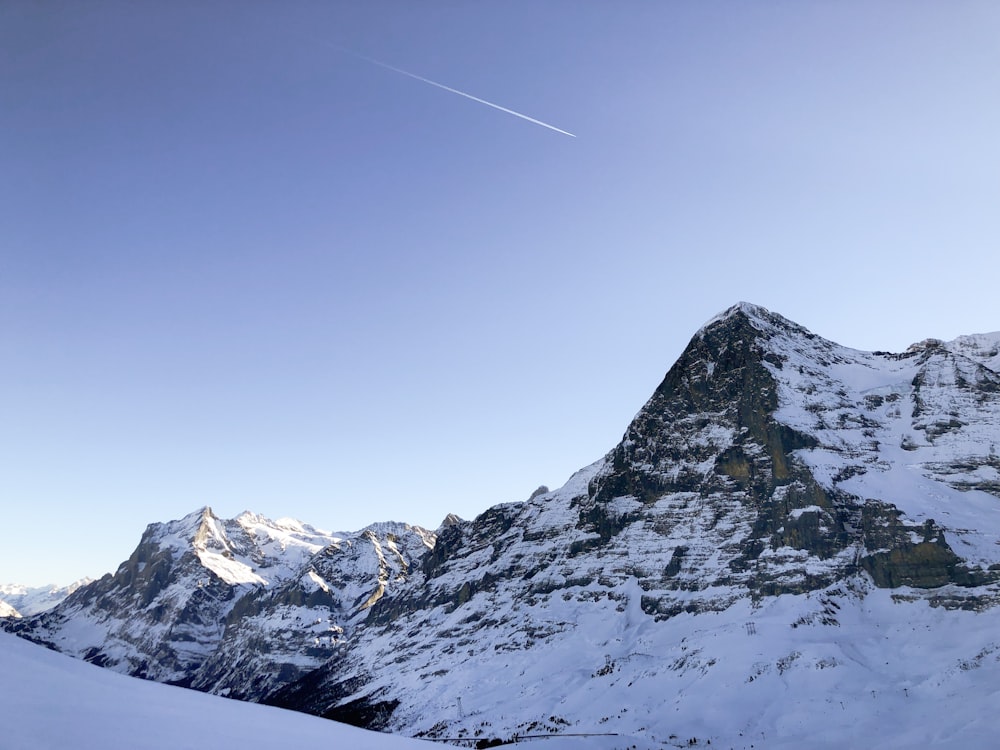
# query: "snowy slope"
982 347
50 702
828 668
920 429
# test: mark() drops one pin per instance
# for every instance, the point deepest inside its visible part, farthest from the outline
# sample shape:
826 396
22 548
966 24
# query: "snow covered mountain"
776 485
233 606
789 529
17 600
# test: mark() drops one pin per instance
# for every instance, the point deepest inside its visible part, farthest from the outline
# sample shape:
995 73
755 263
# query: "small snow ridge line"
393 68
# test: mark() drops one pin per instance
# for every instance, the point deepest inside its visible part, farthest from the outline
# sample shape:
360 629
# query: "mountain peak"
716 404
450 520
759 318
748 309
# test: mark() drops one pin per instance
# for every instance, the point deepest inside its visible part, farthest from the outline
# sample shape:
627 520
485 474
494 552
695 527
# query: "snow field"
769 676
51 702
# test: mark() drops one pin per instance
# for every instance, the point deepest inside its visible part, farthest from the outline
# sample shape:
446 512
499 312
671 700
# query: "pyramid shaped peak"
748 309
756 316
198 516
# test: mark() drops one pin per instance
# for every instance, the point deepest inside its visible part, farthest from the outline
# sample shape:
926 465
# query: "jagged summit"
450 520
747 309
757 316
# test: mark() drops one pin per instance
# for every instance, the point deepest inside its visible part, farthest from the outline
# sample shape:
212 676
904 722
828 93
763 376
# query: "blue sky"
241 267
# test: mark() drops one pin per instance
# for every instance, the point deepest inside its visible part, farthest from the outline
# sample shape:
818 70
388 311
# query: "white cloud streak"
393 68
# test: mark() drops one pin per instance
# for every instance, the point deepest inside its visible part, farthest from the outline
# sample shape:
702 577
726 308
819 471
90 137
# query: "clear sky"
242 267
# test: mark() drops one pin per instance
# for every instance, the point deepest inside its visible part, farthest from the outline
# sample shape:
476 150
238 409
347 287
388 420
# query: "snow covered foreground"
50 701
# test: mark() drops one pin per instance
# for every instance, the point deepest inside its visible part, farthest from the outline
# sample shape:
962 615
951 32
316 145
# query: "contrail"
393 68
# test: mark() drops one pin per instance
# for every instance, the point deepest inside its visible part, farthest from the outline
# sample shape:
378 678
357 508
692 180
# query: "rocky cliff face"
782 507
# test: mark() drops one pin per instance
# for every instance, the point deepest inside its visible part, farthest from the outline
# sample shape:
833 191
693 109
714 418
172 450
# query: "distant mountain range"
22 601
794 541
